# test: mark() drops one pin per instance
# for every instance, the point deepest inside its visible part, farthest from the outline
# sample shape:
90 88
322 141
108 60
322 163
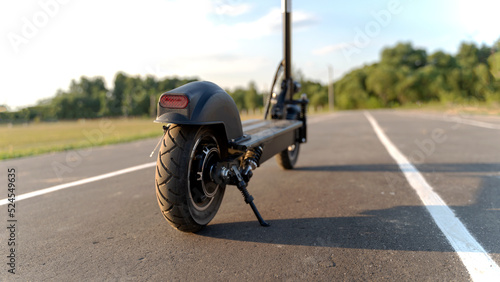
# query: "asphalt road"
346 213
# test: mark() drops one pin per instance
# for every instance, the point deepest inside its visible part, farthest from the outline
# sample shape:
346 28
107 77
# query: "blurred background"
68 60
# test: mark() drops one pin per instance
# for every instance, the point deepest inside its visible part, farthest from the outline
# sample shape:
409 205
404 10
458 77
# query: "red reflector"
174 101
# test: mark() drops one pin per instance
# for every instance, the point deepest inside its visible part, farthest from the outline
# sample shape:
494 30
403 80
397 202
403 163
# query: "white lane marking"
480 265
476 123
458 119
78 182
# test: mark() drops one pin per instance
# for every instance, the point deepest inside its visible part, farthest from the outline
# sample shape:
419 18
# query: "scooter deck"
275 135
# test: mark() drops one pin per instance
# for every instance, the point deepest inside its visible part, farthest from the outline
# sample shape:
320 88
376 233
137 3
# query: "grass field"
38 138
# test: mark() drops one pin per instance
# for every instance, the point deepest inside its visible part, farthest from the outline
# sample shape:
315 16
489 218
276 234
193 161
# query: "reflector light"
174 101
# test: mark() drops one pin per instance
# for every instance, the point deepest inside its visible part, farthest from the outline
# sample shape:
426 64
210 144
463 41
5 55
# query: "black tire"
187 197
287 158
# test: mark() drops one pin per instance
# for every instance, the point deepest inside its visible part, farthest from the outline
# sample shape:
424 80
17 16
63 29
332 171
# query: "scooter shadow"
405 228
408 228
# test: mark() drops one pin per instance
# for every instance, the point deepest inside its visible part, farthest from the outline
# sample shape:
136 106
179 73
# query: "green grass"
38 138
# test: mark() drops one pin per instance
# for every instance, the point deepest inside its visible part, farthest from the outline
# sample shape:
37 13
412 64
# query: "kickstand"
242 186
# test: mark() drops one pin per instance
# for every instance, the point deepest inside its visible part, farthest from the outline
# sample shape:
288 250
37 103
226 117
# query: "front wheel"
287 158
187 196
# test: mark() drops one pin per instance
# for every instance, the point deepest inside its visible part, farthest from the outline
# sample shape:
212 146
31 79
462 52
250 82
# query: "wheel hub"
203 188
211 157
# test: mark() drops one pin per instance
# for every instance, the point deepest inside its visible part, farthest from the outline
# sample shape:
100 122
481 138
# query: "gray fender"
208 105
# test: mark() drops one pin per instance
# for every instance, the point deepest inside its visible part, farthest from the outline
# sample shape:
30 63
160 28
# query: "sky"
46 43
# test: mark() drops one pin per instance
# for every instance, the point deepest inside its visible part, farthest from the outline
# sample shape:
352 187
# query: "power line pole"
330 89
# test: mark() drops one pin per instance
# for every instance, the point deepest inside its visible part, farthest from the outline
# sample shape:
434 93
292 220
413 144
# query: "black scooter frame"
249 143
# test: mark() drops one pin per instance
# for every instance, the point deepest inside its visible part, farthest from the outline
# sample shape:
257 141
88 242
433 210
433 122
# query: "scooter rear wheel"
187 196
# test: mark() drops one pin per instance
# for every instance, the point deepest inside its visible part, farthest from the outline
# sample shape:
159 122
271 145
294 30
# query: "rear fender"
208 105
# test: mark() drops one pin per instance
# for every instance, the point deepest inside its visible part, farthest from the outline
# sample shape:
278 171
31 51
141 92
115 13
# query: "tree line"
90 98
130 96
404 75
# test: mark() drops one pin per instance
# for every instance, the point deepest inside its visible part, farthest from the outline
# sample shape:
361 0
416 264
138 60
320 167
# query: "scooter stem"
287 45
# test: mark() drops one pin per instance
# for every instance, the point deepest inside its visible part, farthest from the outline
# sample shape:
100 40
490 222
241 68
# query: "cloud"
263 26
330 48
268 24
302 19
230 9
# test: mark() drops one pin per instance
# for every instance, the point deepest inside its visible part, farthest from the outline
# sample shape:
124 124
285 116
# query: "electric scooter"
206 147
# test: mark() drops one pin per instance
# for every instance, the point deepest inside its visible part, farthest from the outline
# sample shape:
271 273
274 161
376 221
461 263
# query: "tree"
316 92
442 60
381 83
84 99
403 54
350 91
494 63
238 96
467 55
117 95
251 98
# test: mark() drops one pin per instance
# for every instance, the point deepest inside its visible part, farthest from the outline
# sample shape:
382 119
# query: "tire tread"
169 184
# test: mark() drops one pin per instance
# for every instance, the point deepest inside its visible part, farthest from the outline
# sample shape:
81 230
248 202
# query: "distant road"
376 195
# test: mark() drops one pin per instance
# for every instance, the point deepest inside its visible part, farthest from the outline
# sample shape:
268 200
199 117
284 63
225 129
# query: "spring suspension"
251 161
252 156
